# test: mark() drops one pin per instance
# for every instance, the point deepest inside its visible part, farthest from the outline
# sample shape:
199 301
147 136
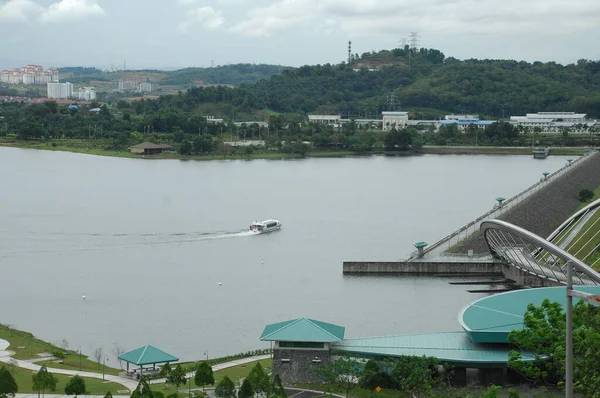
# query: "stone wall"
422 267
546 209
298 365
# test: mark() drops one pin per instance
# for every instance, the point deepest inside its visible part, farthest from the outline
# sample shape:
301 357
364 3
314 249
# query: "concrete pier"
436 259
466 268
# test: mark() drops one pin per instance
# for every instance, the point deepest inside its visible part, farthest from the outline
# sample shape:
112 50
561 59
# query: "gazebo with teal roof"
146 355
300 346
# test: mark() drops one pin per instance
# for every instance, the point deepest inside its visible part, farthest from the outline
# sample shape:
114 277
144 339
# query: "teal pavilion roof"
303 330
147 355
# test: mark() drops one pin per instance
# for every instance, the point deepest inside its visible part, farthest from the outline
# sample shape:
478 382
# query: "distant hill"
426 81
234 75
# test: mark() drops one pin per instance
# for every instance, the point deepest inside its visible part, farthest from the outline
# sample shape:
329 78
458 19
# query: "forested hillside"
233 75
431 82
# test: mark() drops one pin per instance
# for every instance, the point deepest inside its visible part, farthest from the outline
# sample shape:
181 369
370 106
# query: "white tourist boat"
262 227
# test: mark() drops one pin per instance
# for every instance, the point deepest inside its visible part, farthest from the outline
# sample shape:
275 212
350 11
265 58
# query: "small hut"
144 356
149 148
301 347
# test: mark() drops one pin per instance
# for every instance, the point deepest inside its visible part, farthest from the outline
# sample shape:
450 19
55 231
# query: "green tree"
142 390
344 373
277 388
258 379
543 336
585 195
44 380
246 390
165 371
415 375
177 377
225 388
8 385
204 375
372 376
185 148
75 386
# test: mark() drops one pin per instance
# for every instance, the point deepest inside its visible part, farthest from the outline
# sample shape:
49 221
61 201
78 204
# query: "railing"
472 227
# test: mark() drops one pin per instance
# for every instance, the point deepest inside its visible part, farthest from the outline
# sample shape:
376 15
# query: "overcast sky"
181 33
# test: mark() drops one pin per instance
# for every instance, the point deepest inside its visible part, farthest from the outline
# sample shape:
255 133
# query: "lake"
148 241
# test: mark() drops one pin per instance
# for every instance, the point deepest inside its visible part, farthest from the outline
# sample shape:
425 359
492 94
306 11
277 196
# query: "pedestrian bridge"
547 258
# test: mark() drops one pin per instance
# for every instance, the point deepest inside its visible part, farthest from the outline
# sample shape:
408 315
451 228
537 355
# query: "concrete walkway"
222 366
6 357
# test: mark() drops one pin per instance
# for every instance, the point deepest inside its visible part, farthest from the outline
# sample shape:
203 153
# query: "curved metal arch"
574 217
533 254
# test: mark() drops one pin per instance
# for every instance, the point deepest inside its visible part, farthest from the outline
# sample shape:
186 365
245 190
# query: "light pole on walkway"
588 298
103 366
79 349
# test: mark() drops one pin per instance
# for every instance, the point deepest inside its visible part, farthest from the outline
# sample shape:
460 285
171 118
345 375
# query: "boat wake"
88 242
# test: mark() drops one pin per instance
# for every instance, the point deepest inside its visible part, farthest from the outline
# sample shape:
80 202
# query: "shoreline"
428 150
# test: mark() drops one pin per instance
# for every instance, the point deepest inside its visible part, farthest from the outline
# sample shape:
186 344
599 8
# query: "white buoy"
83 297
220 283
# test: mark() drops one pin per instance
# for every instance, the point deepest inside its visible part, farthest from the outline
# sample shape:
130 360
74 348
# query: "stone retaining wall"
546 209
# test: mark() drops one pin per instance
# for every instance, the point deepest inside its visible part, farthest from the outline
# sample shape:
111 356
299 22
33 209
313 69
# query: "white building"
145 87
60 90
554 122
127 86
394 120
212 119
29 78
461 117
86 94
325 119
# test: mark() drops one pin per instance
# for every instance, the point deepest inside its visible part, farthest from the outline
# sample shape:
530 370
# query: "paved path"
6 357
223 365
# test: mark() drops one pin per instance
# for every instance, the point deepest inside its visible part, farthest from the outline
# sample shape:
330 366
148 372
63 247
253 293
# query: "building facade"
394 119
30 74
86 94
145 87
60 90
555 122
301 347
127 86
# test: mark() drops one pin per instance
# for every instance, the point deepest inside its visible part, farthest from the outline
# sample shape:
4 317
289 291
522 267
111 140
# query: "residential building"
60 90
127 86
30 74
86 93
145 87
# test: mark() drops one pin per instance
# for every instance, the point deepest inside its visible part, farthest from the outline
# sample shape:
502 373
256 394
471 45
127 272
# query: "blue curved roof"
451 347
491 319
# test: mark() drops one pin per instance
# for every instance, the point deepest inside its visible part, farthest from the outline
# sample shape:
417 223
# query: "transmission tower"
349 52
403 41
391 102
414 40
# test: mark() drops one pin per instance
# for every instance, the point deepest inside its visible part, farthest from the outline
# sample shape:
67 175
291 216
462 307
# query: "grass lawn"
71 362
235 373
24 344
93 386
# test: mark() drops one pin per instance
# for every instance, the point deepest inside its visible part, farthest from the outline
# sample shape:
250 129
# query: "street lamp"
103 366
588 298
79 350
